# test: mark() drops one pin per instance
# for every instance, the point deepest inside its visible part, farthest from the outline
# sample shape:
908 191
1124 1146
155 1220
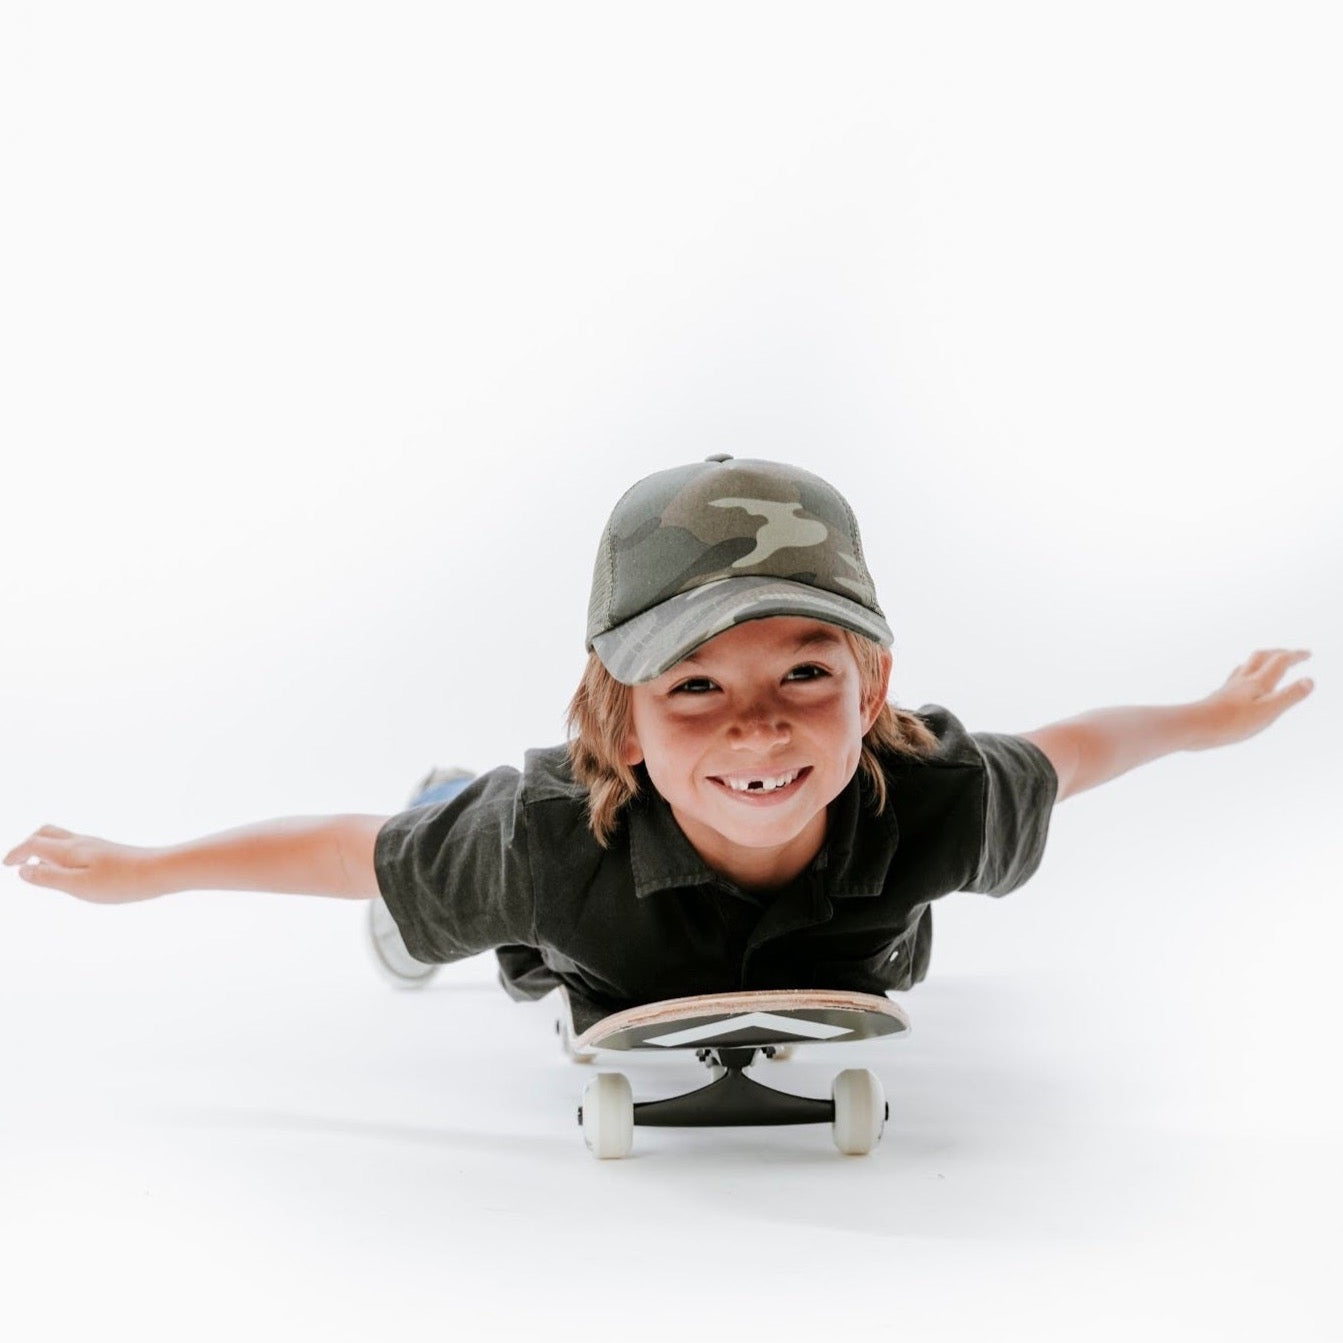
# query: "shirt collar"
661 857
859 846
853 861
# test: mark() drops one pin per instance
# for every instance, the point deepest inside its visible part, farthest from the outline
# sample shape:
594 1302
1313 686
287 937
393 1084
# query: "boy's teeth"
761 785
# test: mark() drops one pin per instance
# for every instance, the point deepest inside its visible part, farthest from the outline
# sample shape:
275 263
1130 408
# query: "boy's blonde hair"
599 720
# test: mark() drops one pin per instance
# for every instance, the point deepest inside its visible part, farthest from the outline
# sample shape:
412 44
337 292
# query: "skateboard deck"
755 1018
728 1031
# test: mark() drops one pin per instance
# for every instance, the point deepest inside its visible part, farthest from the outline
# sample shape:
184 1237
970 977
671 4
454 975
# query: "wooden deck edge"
711 1004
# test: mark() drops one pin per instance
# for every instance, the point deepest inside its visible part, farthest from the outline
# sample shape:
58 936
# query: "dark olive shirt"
509 865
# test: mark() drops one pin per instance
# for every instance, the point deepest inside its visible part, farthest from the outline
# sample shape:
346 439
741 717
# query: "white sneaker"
397 965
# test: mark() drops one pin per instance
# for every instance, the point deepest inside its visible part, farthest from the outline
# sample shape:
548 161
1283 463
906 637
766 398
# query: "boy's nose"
752 731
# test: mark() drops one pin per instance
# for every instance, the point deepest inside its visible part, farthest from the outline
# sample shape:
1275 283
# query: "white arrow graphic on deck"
769 1021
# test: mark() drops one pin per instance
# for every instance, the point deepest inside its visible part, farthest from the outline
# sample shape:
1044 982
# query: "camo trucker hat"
690 552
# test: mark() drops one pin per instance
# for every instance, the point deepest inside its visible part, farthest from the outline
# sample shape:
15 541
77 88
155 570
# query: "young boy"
738 805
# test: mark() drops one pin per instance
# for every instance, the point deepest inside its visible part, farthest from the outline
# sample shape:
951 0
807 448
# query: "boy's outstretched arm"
1096 747
305 855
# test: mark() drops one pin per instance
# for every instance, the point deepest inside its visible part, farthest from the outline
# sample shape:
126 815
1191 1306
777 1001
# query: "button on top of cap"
719 457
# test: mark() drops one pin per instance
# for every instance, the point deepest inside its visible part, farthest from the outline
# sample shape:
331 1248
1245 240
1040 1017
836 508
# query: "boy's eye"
698 684
691 686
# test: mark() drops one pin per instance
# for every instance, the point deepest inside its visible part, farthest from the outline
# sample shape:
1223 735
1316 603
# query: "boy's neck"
753 869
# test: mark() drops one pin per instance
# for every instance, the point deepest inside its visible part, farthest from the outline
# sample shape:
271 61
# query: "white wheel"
860 1110
608 1115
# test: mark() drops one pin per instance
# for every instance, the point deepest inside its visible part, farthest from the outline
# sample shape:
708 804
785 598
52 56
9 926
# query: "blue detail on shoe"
441 785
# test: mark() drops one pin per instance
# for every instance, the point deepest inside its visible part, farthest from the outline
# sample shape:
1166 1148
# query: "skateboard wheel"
860 1110
608 1115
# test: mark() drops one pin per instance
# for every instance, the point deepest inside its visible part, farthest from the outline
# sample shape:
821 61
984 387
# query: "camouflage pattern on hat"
692 551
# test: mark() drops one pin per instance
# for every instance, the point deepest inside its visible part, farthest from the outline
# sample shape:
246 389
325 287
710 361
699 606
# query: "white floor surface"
300 1151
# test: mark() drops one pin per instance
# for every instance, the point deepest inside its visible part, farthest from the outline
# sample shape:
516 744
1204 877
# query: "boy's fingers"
1278 704
1284 697
1266 658
26 846
1255 663
1281 660
36 845
49 874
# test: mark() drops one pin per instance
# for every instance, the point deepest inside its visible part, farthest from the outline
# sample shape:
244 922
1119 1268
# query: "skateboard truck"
720 1029
732 1099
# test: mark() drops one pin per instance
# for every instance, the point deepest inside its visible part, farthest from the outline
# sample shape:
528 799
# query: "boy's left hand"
1250 701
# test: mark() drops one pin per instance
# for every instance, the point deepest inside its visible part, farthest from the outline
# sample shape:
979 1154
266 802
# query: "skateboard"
728 1032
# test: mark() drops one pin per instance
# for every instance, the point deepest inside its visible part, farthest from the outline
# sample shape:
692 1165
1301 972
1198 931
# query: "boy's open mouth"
762 786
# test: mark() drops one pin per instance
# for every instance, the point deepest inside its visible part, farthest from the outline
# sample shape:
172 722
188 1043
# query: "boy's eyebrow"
812 640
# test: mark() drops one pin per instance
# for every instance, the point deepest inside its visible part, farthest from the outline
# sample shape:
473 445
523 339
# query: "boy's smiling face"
772 701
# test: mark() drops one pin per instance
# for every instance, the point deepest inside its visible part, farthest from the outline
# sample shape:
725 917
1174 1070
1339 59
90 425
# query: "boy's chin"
762 830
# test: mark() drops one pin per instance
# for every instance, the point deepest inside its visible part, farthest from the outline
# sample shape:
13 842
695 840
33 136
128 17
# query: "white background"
329 337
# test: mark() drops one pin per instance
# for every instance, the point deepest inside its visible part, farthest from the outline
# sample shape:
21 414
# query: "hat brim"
648 644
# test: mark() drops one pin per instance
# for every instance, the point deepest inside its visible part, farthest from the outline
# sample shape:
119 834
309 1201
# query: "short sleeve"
1020 787
456 875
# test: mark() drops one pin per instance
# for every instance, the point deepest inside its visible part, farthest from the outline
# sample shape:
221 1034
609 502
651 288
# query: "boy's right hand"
86 867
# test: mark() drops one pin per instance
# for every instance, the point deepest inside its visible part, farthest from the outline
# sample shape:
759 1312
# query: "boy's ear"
872 706
632 753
